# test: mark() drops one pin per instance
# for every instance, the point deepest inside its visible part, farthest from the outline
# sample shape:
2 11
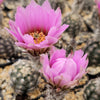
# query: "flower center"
37 37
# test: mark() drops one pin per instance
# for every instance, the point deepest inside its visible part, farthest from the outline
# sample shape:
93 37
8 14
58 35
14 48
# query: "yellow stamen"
37 37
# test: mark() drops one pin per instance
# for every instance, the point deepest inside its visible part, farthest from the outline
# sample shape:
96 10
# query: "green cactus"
23 77
92 90
58 3
83 5
88 5
74 22
93 51
6 48
95 17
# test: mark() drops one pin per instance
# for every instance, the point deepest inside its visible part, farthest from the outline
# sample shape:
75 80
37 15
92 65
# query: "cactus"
6 48
23 77
58 3
95 17
83 5
92 90
88 5
74 22
93 51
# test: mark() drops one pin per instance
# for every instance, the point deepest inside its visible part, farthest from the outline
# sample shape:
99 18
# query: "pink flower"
98 5
62 71
36 26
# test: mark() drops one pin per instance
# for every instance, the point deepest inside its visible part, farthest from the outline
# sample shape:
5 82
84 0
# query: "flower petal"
71 68
28 39
58 66
49 41
57 54
54 32
58 17
83 63
15 31
77 55
46 5
62 79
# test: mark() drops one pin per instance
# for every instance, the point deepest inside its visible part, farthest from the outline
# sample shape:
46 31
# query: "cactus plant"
92 90
74 22
23 77
83 5
95 17
58 3
93 51
6 48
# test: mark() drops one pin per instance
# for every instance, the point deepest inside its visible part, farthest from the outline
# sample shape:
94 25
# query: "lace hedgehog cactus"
74 22
58 3
95 18
9 51
83 5
23 77
6 48
93 51
92 90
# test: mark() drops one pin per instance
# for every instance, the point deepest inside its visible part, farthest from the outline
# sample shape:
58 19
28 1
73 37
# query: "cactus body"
92 90
23 77
74 22
6 48
93 51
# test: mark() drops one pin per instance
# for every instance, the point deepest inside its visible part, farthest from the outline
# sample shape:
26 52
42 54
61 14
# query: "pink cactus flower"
62 71
37 27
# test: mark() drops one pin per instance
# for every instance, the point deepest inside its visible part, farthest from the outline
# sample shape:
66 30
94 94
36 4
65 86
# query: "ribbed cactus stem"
92 90
97 30
78 5
23 77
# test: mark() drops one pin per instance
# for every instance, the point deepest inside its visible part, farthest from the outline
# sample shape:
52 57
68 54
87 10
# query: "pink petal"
79 75
46 5
35 22
64 79
71 68
46 68
21 21
29 46
83 63
28 39
23 45
49 41
15 31
52 50
61 30
54 32
51 15
58 17
77 55
58 66
57 54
